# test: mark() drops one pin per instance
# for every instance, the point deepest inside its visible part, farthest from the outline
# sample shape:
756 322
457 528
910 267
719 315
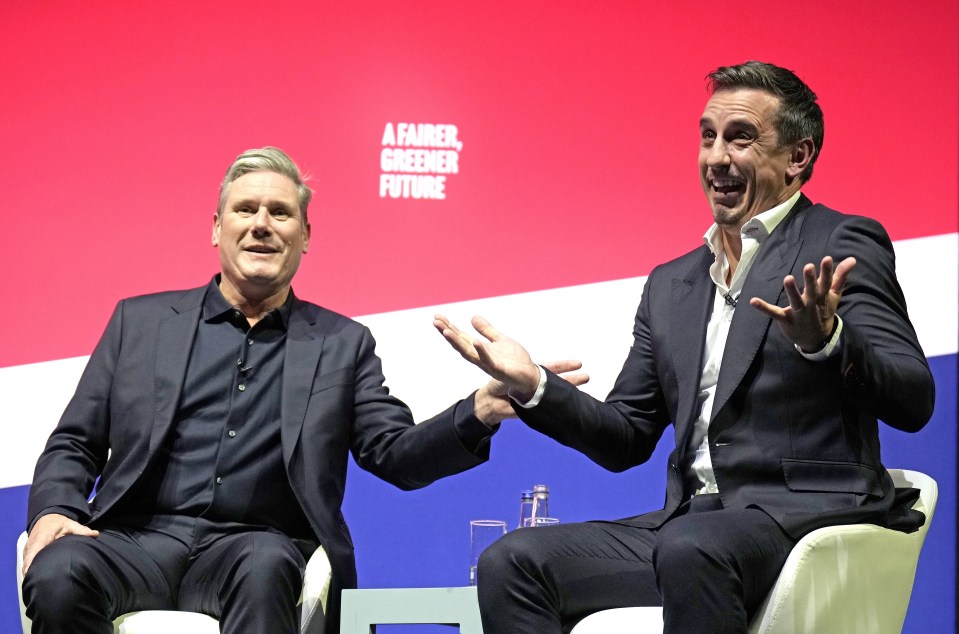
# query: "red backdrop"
578 129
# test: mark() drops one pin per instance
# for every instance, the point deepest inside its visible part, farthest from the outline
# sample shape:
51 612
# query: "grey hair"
267 159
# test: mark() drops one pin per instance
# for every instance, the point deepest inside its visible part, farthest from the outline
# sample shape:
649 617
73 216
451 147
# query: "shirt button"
249 342
219 480
232 433
241 387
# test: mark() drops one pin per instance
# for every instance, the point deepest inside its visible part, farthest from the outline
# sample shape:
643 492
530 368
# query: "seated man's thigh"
570 570
254 572
733 556
122 570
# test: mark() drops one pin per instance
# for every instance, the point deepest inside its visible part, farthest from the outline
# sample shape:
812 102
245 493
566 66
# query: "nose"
261 222
717 154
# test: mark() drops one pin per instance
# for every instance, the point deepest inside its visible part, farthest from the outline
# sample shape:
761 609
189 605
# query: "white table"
365 607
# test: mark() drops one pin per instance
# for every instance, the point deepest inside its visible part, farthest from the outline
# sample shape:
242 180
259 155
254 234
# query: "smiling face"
261 236
743 170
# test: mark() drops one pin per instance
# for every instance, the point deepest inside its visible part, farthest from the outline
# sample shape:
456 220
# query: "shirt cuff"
827 350
538 394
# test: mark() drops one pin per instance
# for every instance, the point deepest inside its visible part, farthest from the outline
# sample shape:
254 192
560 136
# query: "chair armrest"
24 621
316 592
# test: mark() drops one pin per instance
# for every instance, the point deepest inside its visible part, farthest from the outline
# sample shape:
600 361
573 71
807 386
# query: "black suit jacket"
333 403
796 438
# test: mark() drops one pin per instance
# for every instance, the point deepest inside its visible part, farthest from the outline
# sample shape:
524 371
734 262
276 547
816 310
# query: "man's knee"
513 552
59 580
683 550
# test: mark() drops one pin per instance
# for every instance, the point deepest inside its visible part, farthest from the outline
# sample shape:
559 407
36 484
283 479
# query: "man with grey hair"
212 427
774 401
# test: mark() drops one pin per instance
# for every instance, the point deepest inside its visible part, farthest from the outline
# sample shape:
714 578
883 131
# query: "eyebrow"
734 124
271 204
744 126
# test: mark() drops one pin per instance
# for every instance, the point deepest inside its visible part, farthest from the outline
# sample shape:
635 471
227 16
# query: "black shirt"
223 458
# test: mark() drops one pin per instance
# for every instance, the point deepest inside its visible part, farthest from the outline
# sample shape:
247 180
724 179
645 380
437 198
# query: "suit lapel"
690 301
174 341
749 328
302 358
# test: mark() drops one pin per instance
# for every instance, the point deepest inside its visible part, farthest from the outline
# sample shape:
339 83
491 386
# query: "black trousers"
708 567
249 579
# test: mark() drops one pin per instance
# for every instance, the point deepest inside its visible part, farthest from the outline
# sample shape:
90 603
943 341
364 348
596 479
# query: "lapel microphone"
730 300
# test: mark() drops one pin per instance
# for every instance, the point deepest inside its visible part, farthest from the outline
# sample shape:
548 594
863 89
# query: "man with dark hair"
775 400
214 425
798 116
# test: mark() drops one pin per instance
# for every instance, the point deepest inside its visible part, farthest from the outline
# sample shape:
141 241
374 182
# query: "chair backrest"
928 493
853 578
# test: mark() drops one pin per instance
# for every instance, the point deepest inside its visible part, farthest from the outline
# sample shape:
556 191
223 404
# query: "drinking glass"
482 534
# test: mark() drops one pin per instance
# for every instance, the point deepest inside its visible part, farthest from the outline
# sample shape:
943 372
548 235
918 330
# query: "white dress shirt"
753 234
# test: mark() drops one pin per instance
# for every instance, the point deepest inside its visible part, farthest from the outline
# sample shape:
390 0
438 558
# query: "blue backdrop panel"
421 538
13 513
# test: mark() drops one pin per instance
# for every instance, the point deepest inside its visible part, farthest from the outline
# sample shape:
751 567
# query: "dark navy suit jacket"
796 438
333 403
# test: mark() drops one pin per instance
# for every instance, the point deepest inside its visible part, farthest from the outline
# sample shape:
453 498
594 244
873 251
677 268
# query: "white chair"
313 601
854 578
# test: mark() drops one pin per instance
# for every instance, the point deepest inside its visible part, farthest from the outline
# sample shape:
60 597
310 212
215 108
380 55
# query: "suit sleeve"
884 370
621 432
78 448
386 442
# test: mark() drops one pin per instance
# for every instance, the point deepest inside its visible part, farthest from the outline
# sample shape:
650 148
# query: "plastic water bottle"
540 501
525 507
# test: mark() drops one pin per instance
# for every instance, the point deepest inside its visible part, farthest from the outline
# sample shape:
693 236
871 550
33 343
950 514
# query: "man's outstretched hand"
809 318
504 359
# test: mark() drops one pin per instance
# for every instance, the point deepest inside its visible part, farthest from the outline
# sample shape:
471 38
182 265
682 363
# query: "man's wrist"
829 344
484 409
526 400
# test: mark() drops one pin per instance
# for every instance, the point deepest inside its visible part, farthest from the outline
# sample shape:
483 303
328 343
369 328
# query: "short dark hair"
267 159
799 115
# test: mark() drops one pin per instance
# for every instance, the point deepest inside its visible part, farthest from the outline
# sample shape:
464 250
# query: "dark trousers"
709 568
250 580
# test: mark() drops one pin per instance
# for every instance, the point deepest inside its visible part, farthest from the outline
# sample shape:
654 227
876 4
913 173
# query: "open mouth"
261 248
727 191
726 185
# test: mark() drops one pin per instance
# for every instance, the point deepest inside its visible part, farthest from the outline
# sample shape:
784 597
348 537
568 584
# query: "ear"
800 156
216 229
306 237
